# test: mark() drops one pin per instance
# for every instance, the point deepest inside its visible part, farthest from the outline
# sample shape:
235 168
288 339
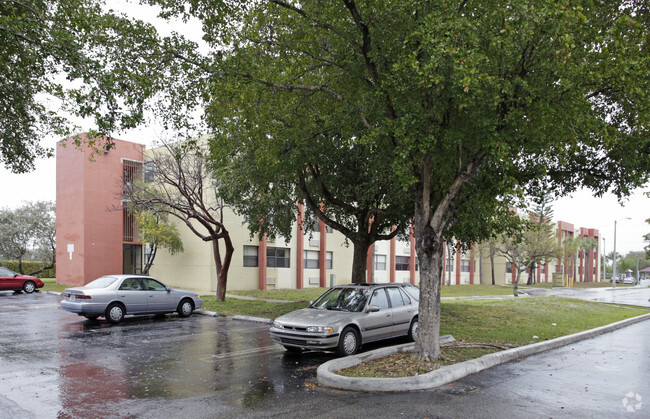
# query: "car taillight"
66 294
82 297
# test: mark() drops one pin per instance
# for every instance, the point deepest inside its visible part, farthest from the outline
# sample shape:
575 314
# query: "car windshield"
344 299
102 282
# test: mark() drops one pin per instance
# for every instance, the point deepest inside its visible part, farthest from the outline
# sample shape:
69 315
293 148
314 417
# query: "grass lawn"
51 285
517 321
482 327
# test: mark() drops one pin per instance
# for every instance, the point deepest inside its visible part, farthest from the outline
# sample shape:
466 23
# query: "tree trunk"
531 275
515 286
430 253
492 268
222 268
430 247
359 262
150 259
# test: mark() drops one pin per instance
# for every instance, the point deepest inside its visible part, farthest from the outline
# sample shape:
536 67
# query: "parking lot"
54 364
57 364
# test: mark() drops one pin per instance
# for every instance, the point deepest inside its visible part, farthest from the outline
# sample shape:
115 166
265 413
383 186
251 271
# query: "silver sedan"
348 315
114 296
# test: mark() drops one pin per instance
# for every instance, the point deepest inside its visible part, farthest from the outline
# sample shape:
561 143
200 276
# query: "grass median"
482 327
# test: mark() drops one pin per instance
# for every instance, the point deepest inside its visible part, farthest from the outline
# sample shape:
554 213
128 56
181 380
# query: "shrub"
30 266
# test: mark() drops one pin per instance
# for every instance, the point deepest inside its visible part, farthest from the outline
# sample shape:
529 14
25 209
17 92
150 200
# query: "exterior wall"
85 191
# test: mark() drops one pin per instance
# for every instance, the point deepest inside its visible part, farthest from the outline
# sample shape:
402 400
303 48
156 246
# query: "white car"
114 296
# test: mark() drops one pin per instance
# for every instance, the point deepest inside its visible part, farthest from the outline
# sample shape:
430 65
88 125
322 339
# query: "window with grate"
277 257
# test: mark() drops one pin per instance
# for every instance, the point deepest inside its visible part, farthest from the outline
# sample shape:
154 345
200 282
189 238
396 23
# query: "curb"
206 313
327 377
252 319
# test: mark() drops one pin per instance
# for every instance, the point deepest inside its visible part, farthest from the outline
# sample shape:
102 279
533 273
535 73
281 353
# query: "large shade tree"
29 233
68 59
472 101
339 181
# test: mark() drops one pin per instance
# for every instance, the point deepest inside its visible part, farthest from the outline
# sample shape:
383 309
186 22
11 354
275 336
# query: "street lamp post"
614 264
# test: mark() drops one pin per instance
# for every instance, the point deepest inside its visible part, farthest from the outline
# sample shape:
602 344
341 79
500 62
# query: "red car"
10 280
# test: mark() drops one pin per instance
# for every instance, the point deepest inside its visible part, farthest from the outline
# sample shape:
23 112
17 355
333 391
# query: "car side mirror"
168 289
372 309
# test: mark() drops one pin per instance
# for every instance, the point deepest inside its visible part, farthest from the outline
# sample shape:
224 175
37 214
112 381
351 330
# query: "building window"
402 263
277 257
311 259
314 226
131 173
464 265
380 263
329 260
250 256
508 267
450 265
148 171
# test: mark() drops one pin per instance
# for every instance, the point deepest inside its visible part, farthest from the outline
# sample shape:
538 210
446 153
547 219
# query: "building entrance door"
132 259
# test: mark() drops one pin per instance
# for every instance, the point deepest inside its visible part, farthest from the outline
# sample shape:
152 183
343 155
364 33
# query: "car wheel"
413 330
115 313
185 308
349 342
29 287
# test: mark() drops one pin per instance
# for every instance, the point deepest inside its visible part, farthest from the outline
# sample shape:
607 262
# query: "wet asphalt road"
54 364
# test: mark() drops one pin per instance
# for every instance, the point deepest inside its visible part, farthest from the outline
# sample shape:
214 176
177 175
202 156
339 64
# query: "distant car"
347 316
10 280
630 280
114 296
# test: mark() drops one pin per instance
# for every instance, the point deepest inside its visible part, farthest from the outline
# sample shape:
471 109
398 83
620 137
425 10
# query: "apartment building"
97 236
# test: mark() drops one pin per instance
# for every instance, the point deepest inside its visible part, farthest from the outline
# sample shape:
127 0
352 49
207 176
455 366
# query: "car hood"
315 317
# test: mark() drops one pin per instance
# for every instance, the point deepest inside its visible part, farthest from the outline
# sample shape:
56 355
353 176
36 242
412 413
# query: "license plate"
72 297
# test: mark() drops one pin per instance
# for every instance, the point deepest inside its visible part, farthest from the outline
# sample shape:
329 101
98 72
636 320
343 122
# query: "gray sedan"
348 315
114 296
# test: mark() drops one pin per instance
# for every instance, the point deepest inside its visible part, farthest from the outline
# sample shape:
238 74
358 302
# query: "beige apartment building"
313 257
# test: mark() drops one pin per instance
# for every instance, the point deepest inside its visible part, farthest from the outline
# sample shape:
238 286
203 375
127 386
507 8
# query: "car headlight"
278 325
320 329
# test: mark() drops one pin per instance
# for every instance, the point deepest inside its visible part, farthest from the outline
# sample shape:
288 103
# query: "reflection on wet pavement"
87 366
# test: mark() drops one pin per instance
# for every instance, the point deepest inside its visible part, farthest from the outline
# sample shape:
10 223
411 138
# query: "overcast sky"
581 209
